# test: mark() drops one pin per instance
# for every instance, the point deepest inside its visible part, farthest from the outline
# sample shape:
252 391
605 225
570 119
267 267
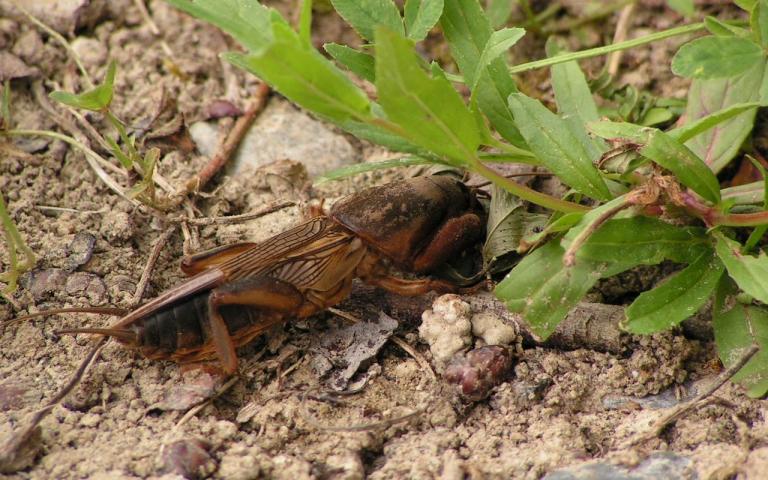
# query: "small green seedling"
16 247
99 99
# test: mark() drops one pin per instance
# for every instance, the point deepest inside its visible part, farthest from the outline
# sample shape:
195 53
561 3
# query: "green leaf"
664 150
429 111
680 160
747 5
508 223
467 30
305 22
421 16
498 12
247 21
358 168
574 100
359 63
544 291
737 327
719 145
639 240
690 130
722 29
499 42
716 57
96 99
759 21
550 138
683 7
676 299
750 273
305 77
365 15
380 136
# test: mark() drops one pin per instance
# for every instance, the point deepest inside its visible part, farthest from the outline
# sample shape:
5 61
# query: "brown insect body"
236 293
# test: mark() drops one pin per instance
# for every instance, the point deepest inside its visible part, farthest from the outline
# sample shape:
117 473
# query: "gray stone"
281 132
666 465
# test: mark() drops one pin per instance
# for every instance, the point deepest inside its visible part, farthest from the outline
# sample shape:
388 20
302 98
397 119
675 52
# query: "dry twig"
232 141
699 400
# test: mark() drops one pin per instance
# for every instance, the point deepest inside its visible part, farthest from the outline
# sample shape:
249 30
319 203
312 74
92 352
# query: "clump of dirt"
126 419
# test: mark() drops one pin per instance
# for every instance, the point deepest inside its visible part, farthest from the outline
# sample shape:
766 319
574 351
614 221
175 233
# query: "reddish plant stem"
232 141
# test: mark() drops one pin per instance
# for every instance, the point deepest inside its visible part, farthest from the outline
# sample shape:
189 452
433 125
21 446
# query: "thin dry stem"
622 28
231 142
569 259
271 208
153 255
684 408
311 420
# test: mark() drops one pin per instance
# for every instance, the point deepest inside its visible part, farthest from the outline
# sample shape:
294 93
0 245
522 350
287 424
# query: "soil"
560 409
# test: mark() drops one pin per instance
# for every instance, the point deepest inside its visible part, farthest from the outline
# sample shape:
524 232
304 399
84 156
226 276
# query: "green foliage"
429 111
716 57
421 16
95 99
633 187
366 15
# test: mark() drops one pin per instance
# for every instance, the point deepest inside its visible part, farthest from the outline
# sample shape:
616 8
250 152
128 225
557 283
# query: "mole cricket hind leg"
412 288
261 292
194 264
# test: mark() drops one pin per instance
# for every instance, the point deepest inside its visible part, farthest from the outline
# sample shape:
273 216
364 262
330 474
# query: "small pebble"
478 371
189 458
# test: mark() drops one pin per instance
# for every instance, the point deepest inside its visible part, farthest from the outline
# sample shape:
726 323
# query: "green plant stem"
569 258
594 52
15 243
132 153
541 199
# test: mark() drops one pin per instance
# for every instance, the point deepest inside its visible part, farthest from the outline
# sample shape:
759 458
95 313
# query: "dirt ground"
561 409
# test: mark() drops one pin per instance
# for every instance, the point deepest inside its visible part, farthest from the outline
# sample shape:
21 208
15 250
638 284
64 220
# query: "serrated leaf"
749 272
429 111
716 57
737 327
499 42
550 138
640 240
305 77
676 299
690 130
358 168
365 15
544 291
359 63
574 100
421 16
467 30
95 99
664 150
380 136
720 144
680 160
